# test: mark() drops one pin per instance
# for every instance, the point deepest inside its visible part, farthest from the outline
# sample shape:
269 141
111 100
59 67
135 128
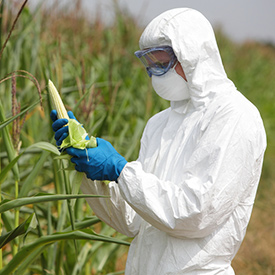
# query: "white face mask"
171 86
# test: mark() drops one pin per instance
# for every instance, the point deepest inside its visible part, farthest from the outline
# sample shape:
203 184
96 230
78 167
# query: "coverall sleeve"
114 211
222 173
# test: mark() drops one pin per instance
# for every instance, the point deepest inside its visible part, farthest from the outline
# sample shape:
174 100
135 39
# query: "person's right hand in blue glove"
100 163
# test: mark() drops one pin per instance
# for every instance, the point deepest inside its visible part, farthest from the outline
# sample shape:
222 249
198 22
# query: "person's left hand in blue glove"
100 163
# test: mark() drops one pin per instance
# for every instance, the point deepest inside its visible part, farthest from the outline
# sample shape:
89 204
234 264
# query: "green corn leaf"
5 171
8 205
82 258
8 220
28 183
46 146
23 228
28 260
70 208
87 222
85 234
76 180
11 152
41 145
11 119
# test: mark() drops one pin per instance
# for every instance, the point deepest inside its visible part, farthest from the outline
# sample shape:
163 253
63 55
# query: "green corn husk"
77 134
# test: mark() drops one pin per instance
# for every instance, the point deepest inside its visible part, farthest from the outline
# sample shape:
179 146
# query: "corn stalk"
12 154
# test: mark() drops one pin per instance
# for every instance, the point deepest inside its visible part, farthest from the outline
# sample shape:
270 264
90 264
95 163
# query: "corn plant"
36 234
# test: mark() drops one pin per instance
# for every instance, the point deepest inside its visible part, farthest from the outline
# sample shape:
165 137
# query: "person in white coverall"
188 198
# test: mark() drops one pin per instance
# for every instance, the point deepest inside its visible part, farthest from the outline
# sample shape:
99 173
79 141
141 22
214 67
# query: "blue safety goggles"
157 60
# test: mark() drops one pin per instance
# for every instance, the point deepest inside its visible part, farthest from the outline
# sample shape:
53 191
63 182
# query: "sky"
240 20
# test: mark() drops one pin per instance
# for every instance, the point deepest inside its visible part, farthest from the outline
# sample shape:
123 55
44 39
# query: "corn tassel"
57 102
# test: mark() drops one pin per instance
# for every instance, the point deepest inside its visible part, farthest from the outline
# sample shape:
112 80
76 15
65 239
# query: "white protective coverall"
188 198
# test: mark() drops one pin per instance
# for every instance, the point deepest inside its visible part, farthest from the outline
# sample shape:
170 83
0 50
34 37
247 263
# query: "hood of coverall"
192 38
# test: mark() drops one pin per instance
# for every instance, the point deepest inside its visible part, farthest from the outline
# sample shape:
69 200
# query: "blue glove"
61 132
100 163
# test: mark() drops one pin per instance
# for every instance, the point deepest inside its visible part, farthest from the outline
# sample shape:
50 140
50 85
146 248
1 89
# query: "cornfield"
46 225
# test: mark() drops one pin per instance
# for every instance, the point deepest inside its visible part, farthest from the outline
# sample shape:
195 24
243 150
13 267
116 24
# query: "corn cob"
57 102
77 134
77 137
